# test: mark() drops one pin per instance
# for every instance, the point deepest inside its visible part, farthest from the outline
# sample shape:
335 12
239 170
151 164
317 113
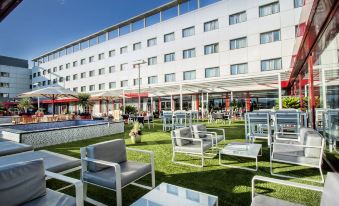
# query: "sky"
38 26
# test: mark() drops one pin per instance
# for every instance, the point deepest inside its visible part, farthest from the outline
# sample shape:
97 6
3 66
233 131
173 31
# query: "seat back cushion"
22 182
199 130
330 195
303 131
110 151
313 138
182 132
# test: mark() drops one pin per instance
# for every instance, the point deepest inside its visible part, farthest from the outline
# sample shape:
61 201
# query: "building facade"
14 77
212 51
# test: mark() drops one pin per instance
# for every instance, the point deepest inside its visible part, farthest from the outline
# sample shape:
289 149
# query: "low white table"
247 150
168 195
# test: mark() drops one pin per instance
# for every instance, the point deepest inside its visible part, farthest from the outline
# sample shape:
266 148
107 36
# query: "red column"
248 102
197 102
301 92
100 104
311 89
227 103
159 104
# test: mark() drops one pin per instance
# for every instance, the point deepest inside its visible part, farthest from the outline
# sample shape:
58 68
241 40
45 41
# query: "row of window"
238 43
266 65
181 8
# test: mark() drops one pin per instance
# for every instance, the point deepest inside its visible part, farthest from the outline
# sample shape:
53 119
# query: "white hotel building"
206 50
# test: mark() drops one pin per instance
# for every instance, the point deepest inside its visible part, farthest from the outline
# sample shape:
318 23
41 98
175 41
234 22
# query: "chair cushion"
182 132
53 162
52 198
130 171
9 147
314 162
330 196
313 139
261 200
110 151
199 130
194 147
22 182
291 149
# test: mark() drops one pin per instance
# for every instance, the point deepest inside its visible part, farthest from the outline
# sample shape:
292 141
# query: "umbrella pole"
53 105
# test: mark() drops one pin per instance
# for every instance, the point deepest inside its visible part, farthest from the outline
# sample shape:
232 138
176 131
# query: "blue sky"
37 26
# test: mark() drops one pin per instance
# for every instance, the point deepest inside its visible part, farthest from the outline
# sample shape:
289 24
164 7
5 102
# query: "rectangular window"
91 88
153 80
61 79
75 89
169 37
4 95
270 36
75 63
188 32
169 57
102 38
269 9
189 75
211 49
83 89
84 45
152 42
4 85
138 25
49 82
188 6
299 3
44 72
61 67
124 30
238 43
170 77
155 18
112 85
91 59
123 50
68 78
83 75
239 69
211 25
111 53
39 74
212 72
271 64
169 13
188 53
48 71
237 18
111 69
123 67
152 60
113 34
83 61
136 46
207 2
75 76
91 73
137 81
68 65
93 41
55 81
124 83
102 86
76 47
102 71
101 56
6 74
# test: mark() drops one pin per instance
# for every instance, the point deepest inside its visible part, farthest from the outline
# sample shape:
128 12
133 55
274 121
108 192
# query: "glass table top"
167 194
242 149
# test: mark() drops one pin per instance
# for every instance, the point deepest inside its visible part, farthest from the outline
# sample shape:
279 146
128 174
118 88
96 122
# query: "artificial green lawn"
232 186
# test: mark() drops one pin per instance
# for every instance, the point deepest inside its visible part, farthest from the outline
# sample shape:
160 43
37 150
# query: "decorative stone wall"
63 135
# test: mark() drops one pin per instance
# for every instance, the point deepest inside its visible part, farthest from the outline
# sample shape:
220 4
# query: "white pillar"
279 91
172 103
202 105
323 81
151 105
180 97
207 109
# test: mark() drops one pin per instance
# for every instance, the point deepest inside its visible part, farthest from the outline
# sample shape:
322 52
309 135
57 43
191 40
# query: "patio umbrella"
52 93
106 95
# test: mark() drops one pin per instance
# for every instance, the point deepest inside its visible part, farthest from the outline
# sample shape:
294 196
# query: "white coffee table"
168 195
247 150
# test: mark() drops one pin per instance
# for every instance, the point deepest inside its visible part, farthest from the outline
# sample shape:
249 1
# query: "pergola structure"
228 85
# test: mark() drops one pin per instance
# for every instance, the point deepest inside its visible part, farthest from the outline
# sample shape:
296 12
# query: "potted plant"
40 112
25 104
84 102
135 133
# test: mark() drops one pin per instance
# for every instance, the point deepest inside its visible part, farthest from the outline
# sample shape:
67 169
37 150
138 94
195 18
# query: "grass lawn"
232 186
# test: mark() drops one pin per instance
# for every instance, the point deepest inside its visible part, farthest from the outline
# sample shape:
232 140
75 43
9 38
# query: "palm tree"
84 100
25 103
